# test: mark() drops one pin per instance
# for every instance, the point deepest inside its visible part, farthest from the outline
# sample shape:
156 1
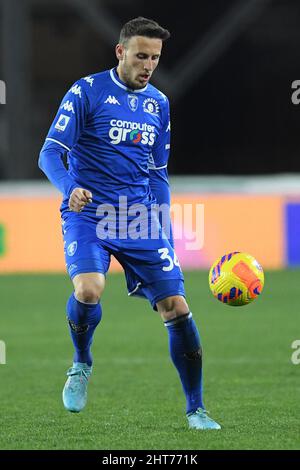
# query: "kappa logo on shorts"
72 247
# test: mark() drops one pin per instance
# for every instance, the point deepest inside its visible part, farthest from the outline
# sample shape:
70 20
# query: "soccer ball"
236 278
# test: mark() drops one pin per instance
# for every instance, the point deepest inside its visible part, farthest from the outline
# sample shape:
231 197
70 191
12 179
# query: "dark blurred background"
227 69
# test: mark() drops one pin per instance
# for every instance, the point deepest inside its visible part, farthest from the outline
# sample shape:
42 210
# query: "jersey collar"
115 78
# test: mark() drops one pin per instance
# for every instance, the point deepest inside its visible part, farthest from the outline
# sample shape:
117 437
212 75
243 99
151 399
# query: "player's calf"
84 314
185 348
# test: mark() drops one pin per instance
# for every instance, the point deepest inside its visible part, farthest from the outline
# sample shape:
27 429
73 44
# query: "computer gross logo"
136 132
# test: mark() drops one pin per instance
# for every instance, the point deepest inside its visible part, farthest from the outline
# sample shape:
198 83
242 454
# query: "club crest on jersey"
72 247
150 105
133 102
62 122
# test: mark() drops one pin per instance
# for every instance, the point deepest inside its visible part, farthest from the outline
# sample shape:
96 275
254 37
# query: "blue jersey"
118 142
113 136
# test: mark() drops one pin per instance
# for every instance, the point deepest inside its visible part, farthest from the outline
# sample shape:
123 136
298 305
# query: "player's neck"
119 74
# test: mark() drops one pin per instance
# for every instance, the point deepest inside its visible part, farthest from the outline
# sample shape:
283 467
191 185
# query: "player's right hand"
79 199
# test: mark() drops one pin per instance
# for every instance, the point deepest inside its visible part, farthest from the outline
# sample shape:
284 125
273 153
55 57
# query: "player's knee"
88 290
87 294
172 307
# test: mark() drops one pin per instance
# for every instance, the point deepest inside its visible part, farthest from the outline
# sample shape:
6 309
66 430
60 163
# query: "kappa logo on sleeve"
89 80
76 89
68 106
62 122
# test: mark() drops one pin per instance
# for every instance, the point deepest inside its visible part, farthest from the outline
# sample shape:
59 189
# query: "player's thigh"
154 272
151 261
87 260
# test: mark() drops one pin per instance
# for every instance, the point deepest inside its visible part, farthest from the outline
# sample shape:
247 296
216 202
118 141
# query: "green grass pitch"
135 400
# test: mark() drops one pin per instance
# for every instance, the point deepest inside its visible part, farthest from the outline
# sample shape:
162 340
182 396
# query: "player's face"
138 59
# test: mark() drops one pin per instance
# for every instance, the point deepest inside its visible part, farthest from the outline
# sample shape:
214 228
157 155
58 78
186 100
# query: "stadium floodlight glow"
2 92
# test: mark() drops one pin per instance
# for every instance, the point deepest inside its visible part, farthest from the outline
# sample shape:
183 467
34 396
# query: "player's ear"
120 51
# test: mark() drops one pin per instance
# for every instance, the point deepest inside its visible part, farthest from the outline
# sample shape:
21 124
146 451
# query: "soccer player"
115 128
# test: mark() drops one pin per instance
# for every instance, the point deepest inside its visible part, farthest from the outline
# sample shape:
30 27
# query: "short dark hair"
141 26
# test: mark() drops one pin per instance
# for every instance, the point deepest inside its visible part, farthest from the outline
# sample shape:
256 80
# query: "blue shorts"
151 267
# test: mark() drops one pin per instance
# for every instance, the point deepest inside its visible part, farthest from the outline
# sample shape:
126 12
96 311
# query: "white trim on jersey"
157 167
123 86
58 142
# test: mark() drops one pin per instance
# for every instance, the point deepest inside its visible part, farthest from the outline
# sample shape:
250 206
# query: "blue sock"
186 354
83 319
